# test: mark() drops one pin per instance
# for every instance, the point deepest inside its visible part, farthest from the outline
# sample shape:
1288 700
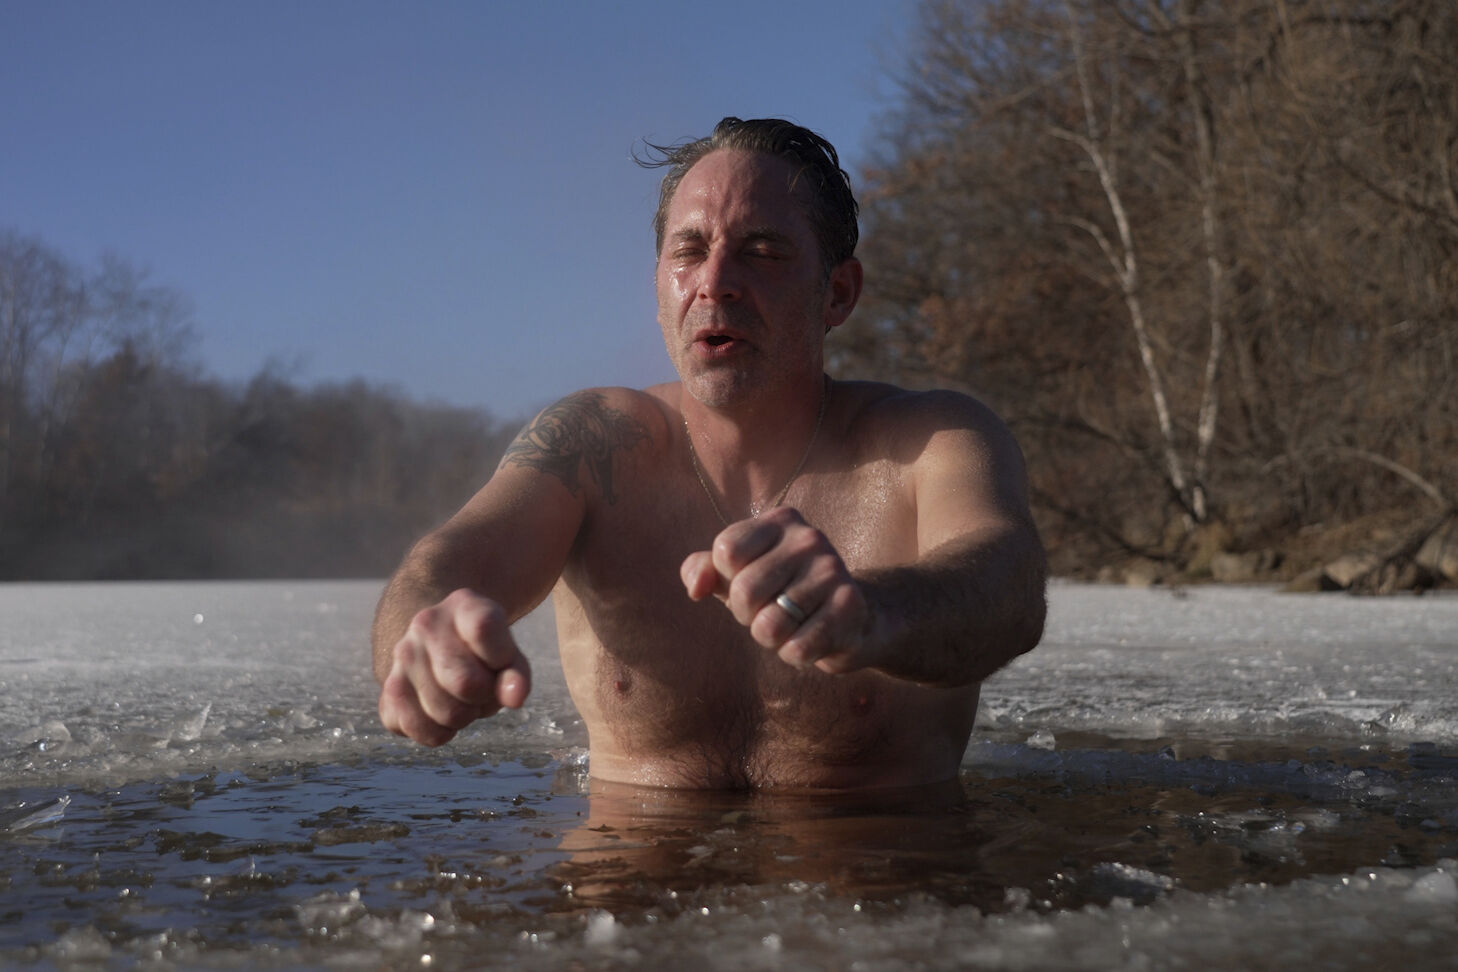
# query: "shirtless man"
762 577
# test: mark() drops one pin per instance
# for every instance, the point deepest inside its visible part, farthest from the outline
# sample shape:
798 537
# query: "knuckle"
480 619
764 629
496 617
846 598
824 572
490 615
465 681
740 597
439 712
726 550
395 694
409 652
809 542
426 619
795 653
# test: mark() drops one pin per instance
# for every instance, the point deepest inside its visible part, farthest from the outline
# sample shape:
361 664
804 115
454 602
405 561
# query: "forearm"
960 614
424 578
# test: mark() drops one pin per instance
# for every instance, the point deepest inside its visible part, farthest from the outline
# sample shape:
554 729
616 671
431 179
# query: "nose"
719 277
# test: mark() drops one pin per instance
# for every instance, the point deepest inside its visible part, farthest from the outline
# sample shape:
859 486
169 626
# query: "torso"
675 692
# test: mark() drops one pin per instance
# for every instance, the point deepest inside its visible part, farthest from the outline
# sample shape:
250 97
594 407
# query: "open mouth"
718 344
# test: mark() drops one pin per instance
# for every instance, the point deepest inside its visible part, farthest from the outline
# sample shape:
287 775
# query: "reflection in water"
387 861
1004 842
639 846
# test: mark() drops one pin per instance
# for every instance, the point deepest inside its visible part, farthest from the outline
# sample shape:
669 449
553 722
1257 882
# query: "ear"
842 291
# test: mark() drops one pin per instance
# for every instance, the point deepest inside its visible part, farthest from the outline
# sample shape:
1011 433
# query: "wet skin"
905 539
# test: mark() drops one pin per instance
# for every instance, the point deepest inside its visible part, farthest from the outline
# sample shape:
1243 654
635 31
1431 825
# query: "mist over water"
194 775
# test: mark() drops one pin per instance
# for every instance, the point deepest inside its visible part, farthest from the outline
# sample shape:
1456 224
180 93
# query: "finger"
836 639
483 626
832 632
772 625
443 704
448 678
461 675
804 568
514 683
447 683
494 673
700 578
754 590
839 663
809 643
741 543
389 705
402 714
801 558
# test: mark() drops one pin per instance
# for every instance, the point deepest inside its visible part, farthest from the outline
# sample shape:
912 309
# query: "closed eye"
768 244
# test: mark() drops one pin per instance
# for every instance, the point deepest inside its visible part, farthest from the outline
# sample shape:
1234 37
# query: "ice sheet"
193 775
108 683
1233 661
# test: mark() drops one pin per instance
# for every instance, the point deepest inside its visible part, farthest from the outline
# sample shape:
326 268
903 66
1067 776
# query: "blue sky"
436 196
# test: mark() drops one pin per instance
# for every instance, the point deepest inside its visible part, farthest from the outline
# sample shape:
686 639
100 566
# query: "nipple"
622 685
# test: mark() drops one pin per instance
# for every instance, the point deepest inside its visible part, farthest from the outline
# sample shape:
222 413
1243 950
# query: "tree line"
119 459
1200 253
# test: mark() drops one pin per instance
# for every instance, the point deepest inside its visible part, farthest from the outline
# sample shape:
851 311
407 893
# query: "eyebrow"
768 235
756 234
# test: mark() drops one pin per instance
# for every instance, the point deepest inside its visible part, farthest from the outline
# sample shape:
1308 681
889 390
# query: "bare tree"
1266 192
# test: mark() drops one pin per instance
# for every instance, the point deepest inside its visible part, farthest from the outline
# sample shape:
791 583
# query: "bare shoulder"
911 426
960 461
583 438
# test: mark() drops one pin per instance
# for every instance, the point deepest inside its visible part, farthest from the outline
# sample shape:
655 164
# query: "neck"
747 460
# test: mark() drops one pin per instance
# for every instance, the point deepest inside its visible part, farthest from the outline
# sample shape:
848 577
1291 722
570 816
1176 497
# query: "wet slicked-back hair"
832 208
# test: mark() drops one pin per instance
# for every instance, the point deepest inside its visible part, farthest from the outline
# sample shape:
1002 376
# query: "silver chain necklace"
755 511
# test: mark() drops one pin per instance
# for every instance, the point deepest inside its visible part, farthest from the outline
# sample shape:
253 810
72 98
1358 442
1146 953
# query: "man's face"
742 296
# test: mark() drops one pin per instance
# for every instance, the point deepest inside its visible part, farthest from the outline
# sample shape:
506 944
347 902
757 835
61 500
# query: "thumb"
700 577
514 682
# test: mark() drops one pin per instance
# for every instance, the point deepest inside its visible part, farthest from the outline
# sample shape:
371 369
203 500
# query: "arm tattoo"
579 431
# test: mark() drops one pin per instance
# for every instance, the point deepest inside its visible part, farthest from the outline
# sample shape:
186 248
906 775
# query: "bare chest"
657 676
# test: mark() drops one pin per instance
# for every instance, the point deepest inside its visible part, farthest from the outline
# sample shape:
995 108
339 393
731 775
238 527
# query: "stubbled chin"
716 388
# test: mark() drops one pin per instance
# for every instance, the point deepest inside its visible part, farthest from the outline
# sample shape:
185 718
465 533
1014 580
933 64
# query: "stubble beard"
721 387
729 384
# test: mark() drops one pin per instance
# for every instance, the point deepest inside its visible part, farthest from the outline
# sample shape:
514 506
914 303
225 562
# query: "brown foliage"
1200 255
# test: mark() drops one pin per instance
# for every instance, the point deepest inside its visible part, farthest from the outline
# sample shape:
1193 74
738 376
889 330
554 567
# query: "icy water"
192 775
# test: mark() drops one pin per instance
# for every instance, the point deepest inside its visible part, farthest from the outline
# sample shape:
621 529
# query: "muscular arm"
975 598
962 612
441 644
970 600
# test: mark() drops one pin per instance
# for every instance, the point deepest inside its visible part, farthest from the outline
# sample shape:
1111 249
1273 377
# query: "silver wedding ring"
795 611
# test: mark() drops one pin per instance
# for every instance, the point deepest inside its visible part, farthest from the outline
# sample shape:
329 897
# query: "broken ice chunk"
29 816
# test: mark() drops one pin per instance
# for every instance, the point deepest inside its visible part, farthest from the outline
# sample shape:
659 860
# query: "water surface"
192 775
